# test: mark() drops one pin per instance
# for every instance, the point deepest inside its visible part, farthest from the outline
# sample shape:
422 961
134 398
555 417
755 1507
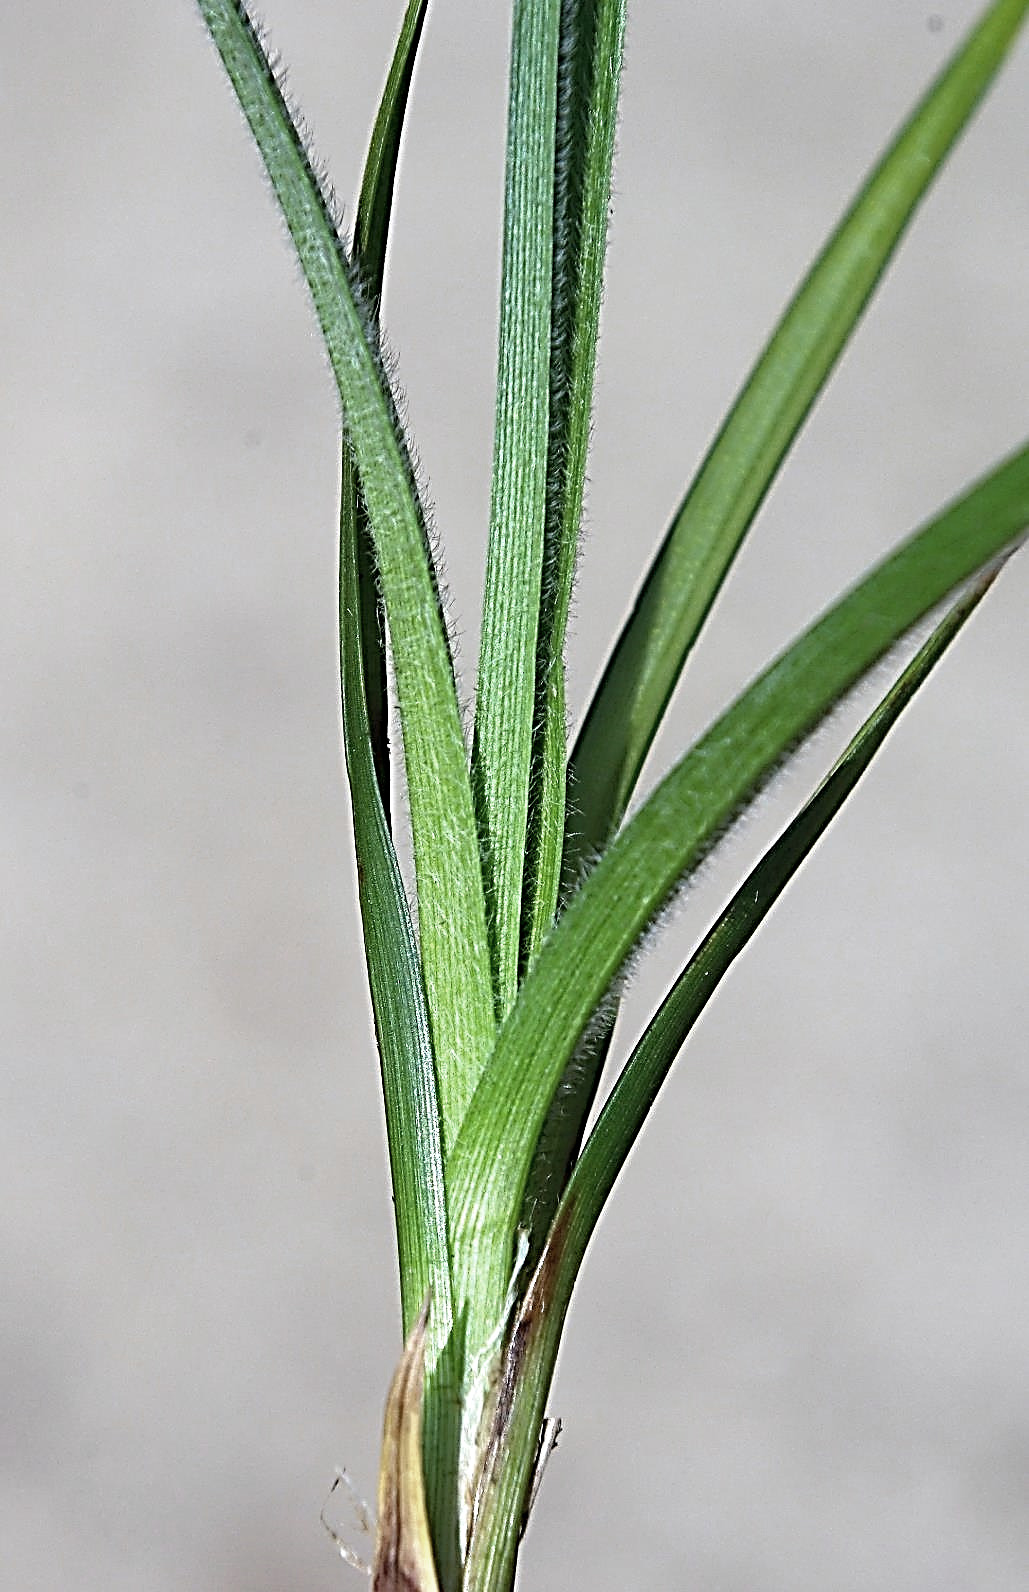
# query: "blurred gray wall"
800 1353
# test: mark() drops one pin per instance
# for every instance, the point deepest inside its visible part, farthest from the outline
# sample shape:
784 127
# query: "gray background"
798 1357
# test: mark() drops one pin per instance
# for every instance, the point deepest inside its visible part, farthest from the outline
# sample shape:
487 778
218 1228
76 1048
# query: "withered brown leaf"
404 1559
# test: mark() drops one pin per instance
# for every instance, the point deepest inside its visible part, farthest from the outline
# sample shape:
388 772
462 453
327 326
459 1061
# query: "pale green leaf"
452 924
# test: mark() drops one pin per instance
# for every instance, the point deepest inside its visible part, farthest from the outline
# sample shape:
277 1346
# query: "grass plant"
495 993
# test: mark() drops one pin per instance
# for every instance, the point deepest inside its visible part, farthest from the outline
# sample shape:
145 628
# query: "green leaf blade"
398 996
536 1335
371 234
589 72
731 484
588 949
506 697
395 975
452 924
634 1092
407 1058
380 168
399 1004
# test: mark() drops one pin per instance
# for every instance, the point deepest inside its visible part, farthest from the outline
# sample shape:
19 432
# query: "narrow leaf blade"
587 952
531 1356
635 1090
403 1029
403 1032
506 698
452 924
371 235
720 505
380 167
699 550
395 975
398 996
589 71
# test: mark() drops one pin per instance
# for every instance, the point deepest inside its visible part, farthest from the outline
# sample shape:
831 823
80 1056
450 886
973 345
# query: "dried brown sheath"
403 1543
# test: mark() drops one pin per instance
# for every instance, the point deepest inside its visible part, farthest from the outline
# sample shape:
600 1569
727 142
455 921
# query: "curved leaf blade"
403 1030
394 969
728 490
452 924
585 955
529 1366
716 503
374 207
637 1086
371 236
